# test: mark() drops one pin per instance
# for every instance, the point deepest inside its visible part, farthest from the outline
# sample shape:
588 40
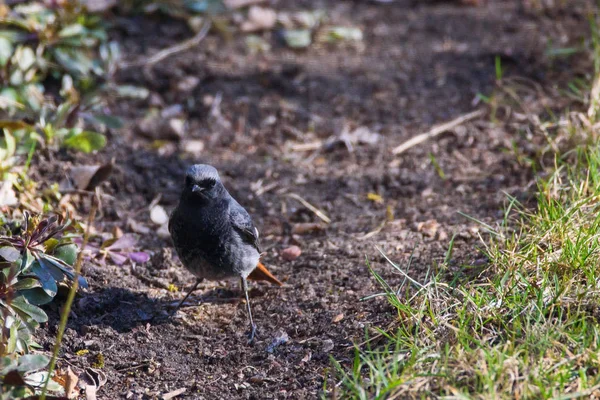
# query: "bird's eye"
209 183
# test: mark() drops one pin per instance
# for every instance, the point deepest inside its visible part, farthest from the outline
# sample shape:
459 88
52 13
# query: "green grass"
527 327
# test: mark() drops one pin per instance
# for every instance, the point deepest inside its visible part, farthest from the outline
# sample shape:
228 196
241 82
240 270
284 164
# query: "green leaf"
297 38
73 61
8 146
9 253
110 121
25 58
6 50
47 275
86 141
338 33
72 30
26 260
12 339
132 92
64 268
32 362
36 296
27 283
7 364
29 310
67 253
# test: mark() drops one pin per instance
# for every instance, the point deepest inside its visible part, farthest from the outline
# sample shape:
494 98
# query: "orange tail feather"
261 273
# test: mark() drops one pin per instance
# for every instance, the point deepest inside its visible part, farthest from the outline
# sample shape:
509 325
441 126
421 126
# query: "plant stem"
64 317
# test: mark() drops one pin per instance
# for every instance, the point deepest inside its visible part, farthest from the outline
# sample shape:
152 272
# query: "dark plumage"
213 234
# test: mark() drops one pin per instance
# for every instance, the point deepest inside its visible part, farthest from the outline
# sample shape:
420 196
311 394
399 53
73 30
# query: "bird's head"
202 182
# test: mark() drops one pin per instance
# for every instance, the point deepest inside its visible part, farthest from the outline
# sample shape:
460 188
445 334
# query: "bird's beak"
197 189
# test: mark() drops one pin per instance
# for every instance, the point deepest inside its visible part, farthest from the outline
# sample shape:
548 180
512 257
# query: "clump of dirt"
316 124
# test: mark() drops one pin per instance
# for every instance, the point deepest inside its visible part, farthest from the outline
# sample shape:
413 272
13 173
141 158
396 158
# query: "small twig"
435 131
312 208
374 232
64 317
169 51
307 146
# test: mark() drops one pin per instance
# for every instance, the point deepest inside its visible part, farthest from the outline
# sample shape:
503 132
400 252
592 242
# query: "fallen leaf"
256 44
88 177
68 380
428 228
291 253
259 19
337 318
297 38
173 394
306 358
374 197
338 33
177 127
192 146
163 231
307 227
328 345
92 380
7 194
137 227
158 215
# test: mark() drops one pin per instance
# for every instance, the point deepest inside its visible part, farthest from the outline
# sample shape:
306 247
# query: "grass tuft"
528 325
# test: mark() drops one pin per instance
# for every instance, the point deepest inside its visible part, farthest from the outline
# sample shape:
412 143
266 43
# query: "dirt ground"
420 63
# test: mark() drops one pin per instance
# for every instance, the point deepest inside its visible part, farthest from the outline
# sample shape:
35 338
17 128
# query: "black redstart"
214 236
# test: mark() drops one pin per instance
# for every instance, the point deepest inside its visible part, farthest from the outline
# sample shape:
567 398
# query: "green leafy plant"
40 40
21 377
42 256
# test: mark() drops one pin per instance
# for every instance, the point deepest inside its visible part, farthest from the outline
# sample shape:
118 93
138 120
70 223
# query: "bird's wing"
242 223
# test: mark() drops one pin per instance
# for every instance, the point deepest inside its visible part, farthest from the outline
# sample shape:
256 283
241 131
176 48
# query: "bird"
214 236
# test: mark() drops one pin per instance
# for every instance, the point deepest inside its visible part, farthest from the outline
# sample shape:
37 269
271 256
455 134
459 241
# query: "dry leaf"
259 19
374 197
163 231
68 380
7 194
92 380
428 228
173 394
192 146
137 227
306 227
291 253
158 215
88 177
337 318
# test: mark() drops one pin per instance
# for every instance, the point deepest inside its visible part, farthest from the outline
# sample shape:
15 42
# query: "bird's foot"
252 334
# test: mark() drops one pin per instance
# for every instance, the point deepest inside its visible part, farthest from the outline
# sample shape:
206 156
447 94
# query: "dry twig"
436 130
169 51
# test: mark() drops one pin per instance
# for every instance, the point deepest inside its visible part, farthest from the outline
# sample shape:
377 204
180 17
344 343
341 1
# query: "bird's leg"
252 325
198 280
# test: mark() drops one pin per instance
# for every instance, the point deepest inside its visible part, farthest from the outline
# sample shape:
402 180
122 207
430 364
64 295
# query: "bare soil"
420 63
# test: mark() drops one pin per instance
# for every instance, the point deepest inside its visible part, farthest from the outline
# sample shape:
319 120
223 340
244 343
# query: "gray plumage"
213 234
